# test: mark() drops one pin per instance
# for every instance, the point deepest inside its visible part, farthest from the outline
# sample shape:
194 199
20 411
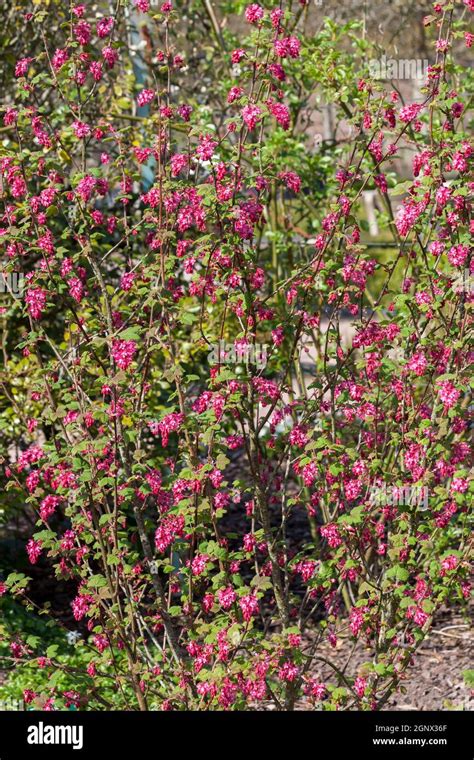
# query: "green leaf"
468 676
97 581
222 461
398 572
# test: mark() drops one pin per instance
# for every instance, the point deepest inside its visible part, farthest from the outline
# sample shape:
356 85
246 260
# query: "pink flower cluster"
123 352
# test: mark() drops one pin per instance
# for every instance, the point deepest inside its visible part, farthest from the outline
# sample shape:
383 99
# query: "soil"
434 680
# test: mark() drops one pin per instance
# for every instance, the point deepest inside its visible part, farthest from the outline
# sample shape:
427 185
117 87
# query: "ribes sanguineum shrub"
224 522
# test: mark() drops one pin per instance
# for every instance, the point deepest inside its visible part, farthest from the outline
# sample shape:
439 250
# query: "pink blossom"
315 689
198 564
437 247
448 394
226 597
33 549
234 94
352 489
306 569
208 602
82 32
100 641
288 671
291 180
457 255
237 55
168 531
22 66
123 352
418 363
288 47
96 70
459 485
360 685
227 694
59 58
178 161
331 533
206 147
298 437
420 617
145 97
309 473
169 424
407 216
86 187
110 56
409 112
254 13
104 27
67 542
249 542
29 696
281 114
36 301
251 115
10 117
276 16
448 563
249 606
185 111
80 606
357 619
76 289
48 506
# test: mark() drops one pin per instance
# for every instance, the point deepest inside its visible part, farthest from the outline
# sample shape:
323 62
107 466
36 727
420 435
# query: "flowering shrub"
217 520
